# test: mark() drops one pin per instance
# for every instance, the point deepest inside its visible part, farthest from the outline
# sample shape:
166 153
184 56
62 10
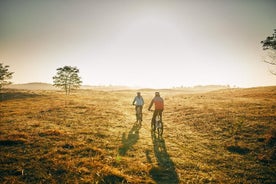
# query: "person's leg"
141 113
153 118
160 112
136 109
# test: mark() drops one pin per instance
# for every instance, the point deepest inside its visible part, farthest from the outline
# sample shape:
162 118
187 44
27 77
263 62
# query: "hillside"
225 136
32 86
47 86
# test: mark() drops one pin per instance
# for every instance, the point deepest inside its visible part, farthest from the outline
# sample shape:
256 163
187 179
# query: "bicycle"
157 124
139 114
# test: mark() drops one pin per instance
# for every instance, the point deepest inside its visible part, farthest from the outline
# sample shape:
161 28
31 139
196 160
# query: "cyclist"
138 102
159 106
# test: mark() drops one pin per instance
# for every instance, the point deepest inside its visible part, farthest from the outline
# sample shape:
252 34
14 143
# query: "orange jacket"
158 103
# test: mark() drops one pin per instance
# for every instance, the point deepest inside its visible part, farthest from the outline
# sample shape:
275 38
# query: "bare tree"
67 78
269 46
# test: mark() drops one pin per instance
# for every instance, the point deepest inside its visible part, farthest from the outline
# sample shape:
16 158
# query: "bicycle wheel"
139 114
153 126
159 125
160 128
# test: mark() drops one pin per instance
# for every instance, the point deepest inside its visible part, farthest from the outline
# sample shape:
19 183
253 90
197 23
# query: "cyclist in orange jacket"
158 106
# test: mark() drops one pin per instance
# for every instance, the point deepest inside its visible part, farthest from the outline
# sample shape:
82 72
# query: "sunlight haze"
139 43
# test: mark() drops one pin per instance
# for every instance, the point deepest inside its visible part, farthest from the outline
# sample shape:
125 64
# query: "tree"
5 75
269 46
67 78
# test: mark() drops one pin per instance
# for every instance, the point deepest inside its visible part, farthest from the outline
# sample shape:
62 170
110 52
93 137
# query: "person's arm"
134 101
142 101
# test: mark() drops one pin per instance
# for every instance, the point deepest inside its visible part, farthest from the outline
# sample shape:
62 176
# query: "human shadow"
129 140
165 171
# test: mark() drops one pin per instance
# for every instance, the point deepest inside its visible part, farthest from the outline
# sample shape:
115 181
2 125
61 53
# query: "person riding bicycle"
138 102
159 106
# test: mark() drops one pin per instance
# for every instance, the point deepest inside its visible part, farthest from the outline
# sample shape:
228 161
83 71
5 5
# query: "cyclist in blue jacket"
138 102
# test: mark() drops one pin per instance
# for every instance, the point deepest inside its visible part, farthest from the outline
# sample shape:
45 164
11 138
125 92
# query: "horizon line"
136 87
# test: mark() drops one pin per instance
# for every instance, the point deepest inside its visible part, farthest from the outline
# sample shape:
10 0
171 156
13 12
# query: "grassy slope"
226 136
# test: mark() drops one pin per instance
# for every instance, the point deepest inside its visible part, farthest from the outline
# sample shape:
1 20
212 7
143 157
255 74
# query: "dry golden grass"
226 136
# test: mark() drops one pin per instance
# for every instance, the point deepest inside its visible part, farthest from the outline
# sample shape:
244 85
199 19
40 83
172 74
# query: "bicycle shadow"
129 140
165 172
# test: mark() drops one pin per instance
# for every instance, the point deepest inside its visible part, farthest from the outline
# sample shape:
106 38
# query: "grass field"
226 136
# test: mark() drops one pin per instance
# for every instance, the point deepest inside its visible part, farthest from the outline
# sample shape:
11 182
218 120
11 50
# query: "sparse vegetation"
225 136
5 75
67 78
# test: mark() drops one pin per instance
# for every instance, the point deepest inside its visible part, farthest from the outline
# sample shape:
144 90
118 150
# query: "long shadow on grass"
129 140
4 96
165 172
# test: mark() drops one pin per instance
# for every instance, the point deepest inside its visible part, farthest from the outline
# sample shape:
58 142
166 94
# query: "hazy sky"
145 43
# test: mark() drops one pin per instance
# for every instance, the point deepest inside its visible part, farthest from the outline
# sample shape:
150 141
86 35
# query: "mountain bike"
157 124
139 114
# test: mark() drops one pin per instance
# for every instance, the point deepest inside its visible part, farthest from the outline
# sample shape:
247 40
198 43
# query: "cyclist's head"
157 93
